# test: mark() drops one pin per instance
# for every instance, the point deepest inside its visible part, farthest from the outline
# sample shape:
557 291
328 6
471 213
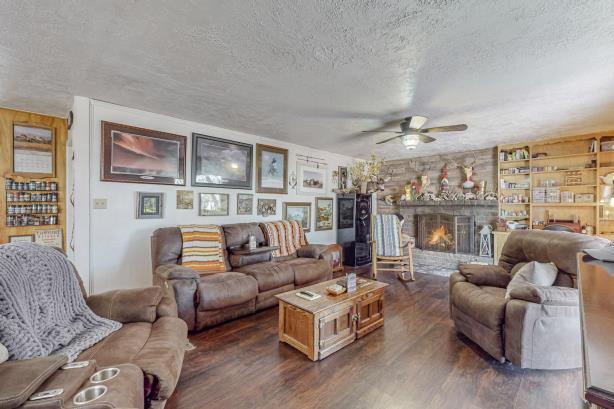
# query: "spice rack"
31 203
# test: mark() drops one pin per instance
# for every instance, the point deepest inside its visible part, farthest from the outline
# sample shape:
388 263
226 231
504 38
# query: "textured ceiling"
318 72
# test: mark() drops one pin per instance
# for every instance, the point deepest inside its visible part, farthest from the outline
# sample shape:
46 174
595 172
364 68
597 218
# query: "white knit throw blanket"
42 309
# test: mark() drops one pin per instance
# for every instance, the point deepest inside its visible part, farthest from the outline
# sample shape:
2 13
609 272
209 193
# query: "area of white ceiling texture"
319 72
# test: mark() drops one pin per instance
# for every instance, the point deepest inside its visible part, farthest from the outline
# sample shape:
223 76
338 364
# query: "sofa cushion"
484 304
270 275
223 290
237 234
533 273
308 270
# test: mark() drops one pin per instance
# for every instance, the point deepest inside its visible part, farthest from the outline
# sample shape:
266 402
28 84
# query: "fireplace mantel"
464 203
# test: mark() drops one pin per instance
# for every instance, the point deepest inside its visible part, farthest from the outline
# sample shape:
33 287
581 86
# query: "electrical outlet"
100 203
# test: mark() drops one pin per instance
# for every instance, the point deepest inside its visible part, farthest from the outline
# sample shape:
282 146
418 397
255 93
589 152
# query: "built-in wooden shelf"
578 153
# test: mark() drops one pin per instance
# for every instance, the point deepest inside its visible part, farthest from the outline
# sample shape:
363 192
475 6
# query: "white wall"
118 248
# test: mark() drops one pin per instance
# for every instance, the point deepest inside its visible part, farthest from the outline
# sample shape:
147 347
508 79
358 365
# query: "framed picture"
49 237
343 177
245 203
345 210
267 207
271 169
22 238
213 204
33 150
149 205
219 162
185 199
311 179
299 211
324 213
137 155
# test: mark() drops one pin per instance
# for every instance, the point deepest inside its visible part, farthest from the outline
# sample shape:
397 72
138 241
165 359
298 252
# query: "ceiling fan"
412 131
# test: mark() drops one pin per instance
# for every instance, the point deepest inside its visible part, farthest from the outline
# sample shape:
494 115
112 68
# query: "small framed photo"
33 150
22 238
185 199
149 205
49 237
213 204
311 179
299 211
245 203
324 213
218 162
267 207
343 177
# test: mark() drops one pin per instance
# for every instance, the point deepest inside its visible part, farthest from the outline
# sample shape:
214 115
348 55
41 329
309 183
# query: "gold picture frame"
271 176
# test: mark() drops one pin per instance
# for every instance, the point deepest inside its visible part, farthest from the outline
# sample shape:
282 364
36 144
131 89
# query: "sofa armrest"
488 275
311 250
20 379
561 296
133 305
167 306
175 272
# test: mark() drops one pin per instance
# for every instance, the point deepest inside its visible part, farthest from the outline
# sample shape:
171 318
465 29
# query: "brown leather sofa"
538 327
249 283
148 350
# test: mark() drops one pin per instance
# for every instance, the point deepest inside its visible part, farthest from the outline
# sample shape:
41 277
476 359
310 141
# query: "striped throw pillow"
202 247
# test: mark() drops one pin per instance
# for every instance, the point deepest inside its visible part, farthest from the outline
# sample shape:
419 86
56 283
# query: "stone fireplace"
446 232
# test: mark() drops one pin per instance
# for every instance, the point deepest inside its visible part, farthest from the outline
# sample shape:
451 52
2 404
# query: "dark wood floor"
415 361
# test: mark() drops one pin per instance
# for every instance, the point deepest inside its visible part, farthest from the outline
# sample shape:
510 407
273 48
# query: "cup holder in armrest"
90 394
104 375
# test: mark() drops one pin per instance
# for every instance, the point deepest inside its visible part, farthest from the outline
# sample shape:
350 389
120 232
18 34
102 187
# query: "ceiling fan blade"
449 128
381 131
425 138
416 122
388 140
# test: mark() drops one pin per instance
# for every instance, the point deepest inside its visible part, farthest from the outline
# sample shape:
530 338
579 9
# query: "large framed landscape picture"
219 162
299 211
272 169
137 155
33 150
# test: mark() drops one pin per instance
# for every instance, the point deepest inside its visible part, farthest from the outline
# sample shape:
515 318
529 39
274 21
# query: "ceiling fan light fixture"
410 141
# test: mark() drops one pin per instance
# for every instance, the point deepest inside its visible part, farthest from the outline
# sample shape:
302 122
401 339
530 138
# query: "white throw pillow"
533 273
4 354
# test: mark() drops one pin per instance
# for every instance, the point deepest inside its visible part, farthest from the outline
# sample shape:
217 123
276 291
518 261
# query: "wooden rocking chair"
392 250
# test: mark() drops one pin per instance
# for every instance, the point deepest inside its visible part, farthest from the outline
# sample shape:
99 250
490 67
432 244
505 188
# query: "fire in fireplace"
447 233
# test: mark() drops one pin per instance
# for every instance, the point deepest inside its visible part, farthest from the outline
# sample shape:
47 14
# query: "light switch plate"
100 203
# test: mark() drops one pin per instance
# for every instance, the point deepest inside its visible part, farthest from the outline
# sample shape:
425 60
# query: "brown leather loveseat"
249 283
538 327
148 350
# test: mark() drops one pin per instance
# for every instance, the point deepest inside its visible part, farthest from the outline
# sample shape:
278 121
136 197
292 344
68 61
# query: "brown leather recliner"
249 283
539 327
148 350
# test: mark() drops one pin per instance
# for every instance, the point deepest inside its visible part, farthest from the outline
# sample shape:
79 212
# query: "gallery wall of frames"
33 178
156 171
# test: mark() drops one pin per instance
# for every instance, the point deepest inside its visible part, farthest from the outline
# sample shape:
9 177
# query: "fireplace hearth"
446 233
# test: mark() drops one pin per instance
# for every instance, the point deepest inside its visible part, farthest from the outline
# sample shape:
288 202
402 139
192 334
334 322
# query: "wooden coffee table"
320 327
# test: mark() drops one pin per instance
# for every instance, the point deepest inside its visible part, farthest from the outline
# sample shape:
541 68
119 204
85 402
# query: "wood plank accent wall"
7 118
484 169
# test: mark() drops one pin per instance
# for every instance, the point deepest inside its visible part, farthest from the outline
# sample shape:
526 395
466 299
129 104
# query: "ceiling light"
234 165
410 141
